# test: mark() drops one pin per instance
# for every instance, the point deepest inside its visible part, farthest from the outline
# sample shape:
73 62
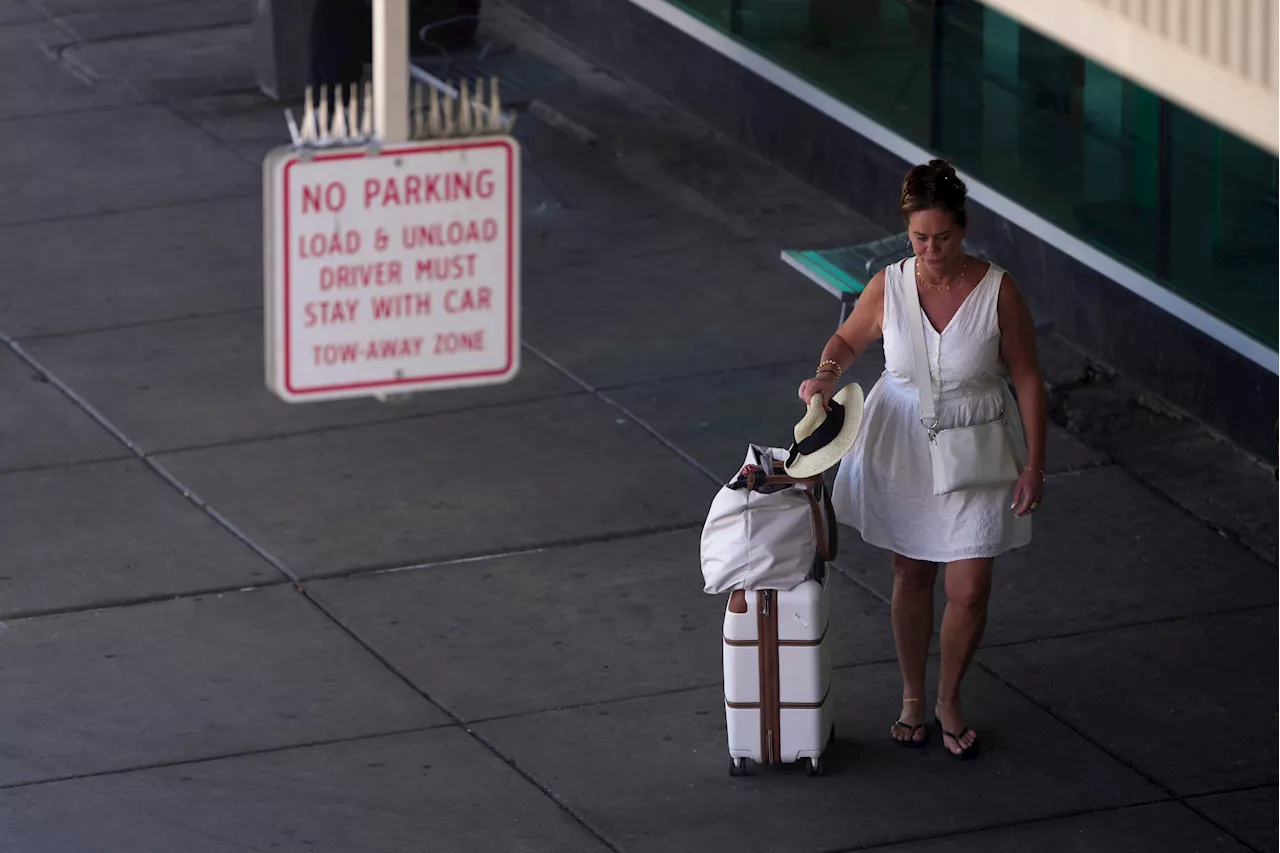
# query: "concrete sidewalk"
475 621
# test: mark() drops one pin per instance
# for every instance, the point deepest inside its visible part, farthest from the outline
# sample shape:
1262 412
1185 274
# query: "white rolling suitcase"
777 676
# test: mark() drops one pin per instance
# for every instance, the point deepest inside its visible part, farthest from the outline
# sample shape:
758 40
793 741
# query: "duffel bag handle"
756 479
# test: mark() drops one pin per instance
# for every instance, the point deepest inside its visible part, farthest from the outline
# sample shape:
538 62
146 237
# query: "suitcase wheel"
813 766
737 766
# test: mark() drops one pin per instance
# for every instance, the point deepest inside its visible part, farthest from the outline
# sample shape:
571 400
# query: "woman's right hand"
824 384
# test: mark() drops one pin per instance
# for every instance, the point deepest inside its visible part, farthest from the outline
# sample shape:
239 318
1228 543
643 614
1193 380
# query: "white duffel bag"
765 529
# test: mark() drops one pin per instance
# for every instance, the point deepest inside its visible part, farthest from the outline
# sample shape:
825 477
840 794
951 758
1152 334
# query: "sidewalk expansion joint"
536 548
1236 789
139 324
656 694
208 759
102 421
444 709
640 255
122 211
1225 532
57 52
708 374
1124 626
1221 827
1093 374
112 604
938 836
600 703
75 463
657 436
638 168
581 819
381 421
217 140
67 22
1169 793
672 446
1111 460
61 112
315 601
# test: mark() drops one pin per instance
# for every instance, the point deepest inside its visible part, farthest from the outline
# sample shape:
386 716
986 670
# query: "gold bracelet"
834 364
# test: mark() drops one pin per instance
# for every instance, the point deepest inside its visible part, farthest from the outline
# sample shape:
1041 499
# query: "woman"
976 327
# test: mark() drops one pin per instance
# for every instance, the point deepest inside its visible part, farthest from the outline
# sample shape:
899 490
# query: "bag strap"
833 533
824 529
915 324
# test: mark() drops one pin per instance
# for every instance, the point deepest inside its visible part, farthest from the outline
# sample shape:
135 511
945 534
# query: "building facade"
1144 232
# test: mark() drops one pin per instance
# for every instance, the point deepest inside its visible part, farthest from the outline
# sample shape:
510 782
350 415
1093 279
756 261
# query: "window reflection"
1159 188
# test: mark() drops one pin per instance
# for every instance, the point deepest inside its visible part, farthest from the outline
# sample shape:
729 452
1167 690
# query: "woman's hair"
931 186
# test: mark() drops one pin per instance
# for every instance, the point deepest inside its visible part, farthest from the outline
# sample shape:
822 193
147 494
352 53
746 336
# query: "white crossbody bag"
966 457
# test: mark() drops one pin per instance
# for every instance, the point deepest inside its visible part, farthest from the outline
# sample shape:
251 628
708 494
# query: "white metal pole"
391 70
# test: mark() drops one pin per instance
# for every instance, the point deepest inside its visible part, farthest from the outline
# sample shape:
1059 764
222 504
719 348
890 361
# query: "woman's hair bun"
943 168
934 185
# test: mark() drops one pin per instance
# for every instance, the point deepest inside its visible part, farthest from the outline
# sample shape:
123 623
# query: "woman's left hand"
1028 492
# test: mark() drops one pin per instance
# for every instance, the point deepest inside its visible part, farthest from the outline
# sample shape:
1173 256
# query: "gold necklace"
964 264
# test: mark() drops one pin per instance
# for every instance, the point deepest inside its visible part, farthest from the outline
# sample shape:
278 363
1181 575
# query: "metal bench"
845 270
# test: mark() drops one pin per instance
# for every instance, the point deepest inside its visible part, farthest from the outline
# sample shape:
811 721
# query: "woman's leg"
968 584
912 630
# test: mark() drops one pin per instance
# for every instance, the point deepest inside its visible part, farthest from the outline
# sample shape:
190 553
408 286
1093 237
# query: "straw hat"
822 437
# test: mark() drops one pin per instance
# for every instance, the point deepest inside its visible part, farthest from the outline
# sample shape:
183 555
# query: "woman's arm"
1018 350
862 328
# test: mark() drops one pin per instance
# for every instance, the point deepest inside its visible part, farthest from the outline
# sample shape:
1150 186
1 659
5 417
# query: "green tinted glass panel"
1162 190
871 53
1042 125
1222 244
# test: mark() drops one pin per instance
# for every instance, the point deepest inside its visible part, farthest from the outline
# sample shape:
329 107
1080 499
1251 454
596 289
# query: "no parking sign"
394 270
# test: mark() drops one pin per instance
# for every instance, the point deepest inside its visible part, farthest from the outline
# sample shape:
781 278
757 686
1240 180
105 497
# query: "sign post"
391 70
392 247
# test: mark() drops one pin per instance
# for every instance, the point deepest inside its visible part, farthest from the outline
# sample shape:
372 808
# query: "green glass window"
1221 246
1173 196
873 54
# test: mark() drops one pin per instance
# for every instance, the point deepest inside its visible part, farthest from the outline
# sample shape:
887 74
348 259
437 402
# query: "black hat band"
820 437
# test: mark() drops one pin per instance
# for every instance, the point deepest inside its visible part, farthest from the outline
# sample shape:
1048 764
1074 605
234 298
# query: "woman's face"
935 237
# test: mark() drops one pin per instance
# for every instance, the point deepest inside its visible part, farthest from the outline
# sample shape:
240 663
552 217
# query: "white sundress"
884 487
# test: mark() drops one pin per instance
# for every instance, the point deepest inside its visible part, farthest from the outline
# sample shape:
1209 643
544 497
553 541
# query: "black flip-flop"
911 742
965 753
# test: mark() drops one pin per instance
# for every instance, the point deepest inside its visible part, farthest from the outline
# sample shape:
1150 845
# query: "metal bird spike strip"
345 117
448 114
